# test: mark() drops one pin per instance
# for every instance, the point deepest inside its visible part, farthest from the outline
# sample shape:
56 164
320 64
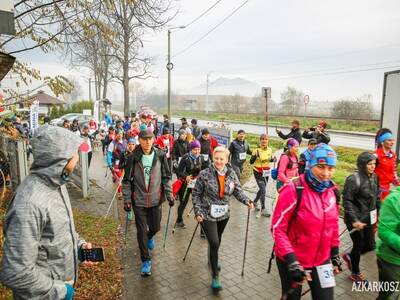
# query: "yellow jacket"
261 159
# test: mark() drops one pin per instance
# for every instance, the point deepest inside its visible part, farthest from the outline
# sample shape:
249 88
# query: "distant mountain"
226 86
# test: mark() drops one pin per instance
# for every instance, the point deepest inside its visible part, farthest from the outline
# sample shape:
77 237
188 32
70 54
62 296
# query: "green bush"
77 107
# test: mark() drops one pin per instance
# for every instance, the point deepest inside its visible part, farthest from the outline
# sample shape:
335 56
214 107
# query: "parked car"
83 119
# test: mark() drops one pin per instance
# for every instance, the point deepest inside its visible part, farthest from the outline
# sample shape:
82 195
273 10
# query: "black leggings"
184 195
213 231
294 294
363 242
388 273
262 188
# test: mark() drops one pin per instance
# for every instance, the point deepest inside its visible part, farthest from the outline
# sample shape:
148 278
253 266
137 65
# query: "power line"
332 73
205 12
211 30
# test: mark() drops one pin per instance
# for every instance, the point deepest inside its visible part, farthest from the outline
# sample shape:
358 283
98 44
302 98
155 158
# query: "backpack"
274 172
299 192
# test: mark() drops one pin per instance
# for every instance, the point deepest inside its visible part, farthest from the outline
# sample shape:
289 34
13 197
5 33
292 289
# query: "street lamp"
170 66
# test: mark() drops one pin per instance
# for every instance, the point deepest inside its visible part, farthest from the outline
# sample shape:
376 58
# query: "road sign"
7 25
306 99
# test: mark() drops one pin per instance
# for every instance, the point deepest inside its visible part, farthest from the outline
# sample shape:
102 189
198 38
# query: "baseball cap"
145 134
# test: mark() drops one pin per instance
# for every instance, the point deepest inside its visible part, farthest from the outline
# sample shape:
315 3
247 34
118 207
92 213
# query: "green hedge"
77 107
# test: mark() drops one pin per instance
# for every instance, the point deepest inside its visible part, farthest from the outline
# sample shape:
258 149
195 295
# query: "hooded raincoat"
41 244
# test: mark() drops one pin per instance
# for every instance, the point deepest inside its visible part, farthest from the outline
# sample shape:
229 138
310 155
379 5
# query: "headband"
384 137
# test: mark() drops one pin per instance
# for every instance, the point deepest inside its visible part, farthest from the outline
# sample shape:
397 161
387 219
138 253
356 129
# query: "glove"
296 272
70 292
127 206
175 164
171 201
337 262
130 217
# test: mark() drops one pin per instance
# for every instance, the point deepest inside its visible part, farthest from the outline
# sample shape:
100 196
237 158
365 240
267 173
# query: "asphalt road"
337 139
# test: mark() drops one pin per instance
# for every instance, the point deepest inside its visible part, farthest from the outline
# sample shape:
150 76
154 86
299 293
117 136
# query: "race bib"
218 211
242 156
266 173
205 156
326 276
192 183
373 216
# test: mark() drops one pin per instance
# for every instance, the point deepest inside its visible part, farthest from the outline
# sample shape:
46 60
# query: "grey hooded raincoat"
41 244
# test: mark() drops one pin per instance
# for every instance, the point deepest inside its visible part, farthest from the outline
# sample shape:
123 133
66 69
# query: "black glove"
127 206
337 262
296 272
171 201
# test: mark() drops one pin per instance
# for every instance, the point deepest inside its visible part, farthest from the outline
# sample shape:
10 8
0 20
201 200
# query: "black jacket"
188 166
180 149
360 196
320 137
237 147
134 187
294 133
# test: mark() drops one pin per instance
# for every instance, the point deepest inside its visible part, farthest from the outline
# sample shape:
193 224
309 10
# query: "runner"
388 246
386 161
189 168
318 132
196 131
288 164
213 190
360 200
295 132
108 139
181 147
239 148
165 142
304 161
75 128
88 140
127 124
115 152
208 144
149 182
305 228
260 159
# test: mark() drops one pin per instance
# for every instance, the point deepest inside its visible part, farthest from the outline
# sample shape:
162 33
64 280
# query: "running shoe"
264 213
216 284
180 225
151 244
146 268
358 278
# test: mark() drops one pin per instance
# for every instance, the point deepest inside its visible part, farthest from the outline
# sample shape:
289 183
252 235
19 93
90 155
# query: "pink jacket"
314 231
285 174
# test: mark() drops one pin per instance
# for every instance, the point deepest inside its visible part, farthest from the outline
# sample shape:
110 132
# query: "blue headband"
384 137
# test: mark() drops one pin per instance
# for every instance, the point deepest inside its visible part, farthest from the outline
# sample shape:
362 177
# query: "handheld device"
94 254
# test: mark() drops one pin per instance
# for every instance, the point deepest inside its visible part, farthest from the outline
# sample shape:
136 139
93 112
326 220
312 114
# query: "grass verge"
101 282
347 125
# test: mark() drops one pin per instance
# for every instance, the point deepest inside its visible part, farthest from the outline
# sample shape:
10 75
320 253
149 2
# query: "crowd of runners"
151 164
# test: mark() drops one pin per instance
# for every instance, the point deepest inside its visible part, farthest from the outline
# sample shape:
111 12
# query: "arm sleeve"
282 135
175 154
253 156
197 196
182 169
389 221
325 137
126 182
302 163
307 134
349 192
395 178
283 163
280 220
109 154
335 241
166 180
19 272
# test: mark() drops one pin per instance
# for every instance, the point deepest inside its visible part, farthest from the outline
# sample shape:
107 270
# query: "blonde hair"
221 149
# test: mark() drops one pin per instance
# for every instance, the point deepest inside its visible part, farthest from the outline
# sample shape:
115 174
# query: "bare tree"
292 100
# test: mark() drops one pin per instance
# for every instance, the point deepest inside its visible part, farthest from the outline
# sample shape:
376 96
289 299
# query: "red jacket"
314 231
160 143
386 168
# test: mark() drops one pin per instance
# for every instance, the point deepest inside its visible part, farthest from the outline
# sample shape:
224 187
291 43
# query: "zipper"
322 229
145 187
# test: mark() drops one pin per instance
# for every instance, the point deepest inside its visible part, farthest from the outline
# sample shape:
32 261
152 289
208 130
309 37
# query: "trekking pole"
191 240
115 194
166 227
190 211
245 242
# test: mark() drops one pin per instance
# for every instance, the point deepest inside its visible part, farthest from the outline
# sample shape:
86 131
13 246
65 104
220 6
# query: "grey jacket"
40 248
134 187
206 192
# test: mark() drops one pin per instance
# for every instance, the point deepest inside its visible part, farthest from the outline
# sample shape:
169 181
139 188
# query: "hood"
362 160
52 148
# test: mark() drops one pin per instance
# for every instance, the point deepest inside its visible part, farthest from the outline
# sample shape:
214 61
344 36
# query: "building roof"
44 98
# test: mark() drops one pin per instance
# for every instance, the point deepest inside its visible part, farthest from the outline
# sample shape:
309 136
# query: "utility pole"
170 66
266 93
90 89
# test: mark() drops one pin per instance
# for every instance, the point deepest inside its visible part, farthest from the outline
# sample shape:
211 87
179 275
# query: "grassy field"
348 125
103 281
346 159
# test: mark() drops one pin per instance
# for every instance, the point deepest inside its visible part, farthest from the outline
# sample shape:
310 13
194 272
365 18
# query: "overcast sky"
276 43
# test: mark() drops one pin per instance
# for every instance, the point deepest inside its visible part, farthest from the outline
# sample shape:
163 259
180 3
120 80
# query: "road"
337 139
